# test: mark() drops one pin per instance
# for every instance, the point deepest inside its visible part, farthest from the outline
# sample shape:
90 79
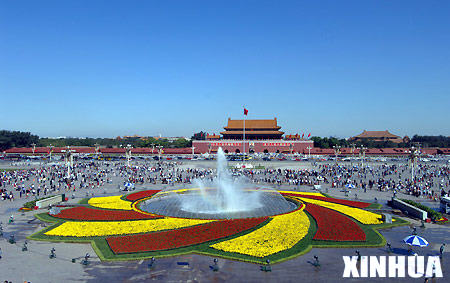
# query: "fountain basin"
192 203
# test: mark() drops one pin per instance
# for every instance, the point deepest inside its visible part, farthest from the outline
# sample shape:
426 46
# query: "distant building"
254 130
377 136
170 139
260 136
131 137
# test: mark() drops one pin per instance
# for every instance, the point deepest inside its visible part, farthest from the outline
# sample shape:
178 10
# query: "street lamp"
159 147
97 147
309 152
128 154
413 155
33 147
352 151
209 148
153 147
68 158
50 152
193 148
362 153
337 151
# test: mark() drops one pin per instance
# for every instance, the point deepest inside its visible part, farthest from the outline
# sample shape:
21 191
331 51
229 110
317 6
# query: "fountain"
224 197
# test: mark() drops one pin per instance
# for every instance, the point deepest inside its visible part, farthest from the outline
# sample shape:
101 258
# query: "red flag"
303 135
309 135
245 112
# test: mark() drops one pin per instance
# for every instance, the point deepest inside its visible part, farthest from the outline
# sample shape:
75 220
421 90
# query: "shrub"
32 204
434 215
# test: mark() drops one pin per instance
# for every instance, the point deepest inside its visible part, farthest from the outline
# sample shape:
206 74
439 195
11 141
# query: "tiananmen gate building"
262 135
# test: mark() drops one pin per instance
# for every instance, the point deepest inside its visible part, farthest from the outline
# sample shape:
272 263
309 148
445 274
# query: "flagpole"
243 143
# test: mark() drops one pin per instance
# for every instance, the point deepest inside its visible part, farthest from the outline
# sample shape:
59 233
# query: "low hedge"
32 204
434 215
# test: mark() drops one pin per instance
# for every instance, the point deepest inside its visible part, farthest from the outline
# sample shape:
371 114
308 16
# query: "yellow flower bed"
363 216
301 193
280 234
113 202
103 228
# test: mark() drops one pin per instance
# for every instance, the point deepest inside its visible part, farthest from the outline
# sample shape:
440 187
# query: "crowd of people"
431 181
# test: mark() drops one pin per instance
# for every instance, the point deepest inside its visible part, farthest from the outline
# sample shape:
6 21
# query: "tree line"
10 139
424 141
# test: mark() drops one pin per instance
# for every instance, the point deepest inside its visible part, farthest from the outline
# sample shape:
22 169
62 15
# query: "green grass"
84 201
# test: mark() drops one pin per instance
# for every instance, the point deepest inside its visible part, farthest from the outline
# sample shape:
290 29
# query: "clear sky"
332 68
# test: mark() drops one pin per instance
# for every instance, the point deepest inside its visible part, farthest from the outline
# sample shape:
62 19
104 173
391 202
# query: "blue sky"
332 68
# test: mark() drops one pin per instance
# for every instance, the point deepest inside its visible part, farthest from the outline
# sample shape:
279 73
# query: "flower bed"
96 228
92 214
363 216
120 231
357 204
182 237
114 202
333 226
281 233
141 195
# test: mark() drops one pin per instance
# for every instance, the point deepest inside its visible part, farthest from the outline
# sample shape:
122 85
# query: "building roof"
252 124
249 132
292 137
376 134
212 137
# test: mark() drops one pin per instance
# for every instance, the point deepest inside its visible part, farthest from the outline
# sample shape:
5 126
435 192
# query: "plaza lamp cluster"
68 159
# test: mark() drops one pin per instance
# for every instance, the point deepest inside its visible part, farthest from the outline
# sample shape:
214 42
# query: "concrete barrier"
445 204
410 209
49 201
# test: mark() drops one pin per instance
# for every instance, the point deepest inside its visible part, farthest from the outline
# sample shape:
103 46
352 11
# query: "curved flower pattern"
114 202
280 234
120 230
92 214
96 228
363 216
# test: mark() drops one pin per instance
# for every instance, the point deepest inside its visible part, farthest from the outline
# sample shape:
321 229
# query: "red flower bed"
181 237
139 195
334 226
358 204
87 213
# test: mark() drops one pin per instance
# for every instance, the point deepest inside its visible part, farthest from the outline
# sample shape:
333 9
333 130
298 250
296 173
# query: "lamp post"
153 147
413 155
50 152
209 148
128 154
309 152
33 147
193 148
68 158
352 151
362 153
97 150
159 147
337 151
